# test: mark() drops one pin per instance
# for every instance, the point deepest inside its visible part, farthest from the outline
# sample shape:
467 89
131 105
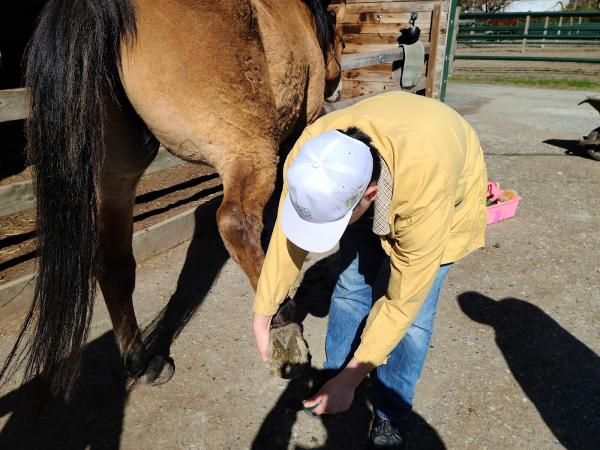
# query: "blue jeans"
393 383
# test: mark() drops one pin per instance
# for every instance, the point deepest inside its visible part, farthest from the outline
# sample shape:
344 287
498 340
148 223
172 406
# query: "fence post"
579 23
433 44
560 19
571 19
545 29
527 19
451 36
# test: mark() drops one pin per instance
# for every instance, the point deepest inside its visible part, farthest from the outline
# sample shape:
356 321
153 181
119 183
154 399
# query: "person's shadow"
93 418
346 431
558 372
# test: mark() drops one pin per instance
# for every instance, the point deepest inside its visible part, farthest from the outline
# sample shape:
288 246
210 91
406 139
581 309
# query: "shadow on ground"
570 146
93 419
558 373
345 431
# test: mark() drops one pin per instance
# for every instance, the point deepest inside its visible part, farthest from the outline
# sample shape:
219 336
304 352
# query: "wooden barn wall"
374 25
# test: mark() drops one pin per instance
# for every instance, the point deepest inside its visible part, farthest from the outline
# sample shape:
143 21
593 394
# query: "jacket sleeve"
415 258
283 260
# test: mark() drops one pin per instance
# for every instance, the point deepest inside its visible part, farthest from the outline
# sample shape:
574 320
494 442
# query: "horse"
218 82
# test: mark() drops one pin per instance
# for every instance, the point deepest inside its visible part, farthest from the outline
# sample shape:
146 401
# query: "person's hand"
261 326
334 397
337 394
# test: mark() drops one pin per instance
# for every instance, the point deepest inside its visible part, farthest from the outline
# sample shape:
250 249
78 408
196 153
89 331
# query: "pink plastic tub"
501 210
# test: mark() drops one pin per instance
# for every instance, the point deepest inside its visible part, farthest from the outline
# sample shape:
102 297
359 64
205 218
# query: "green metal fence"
530 29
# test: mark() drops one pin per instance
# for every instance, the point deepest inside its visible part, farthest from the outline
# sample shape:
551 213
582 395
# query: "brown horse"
221 82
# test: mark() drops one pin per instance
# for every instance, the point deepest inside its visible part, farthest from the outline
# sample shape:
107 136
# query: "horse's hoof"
288 351
158 371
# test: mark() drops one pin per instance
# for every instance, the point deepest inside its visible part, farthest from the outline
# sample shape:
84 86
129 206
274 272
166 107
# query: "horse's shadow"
558 372
93 418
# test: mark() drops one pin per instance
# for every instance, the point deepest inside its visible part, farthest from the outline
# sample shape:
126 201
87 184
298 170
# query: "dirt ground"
513 363
537 70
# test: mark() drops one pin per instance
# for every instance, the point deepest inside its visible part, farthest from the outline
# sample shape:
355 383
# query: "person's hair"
360 135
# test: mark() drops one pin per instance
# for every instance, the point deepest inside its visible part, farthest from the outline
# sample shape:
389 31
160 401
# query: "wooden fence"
148 242
370 25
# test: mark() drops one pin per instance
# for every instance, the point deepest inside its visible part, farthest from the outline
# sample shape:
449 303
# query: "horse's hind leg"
130 149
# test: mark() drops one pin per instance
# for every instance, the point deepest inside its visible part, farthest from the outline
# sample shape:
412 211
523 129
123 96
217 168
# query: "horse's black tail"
72 70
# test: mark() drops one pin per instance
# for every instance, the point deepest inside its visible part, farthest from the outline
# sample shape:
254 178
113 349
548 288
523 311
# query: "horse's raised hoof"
159 371
289 356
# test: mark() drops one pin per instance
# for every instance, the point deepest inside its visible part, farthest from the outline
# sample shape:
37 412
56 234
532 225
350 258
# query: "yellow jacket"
437 214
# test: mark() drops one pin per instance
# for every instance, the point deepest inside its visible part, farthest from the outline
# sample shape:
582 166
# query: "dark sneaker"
385 435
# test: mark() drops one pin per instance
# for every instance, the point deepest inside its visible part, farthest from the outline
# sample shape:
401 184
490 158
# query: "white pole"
545 29
525 33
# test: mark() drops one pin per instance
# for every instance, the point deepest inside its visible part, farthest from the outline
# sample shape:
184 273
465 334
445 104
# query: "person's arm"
280 270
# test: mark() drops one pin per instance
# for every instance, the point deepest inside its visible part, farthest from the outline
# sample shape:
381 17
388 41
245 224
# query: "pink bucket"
501 210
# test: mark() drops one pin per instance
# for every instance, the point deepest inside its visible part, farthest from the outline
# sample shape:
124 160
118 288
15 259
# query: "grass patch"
559 84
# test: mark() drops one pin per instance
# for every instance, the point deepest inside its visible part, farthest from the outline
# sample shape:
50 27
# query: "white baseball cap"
326 180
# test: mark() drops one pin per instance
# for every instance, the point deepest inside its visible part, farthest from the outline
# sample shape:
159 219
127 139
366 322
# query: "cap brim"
312 237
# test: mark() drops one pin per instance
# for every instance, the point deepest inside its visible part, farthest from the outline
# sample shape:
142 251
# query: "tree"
484 5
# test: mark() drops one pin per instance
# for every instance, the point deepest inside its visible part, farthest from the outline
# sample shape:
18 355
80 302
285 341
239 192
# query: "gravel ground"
513 362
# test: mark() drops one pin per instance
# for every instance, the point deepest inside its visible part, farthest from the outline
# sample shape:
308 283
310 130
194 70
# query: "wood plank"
13 104
163 160
147 243
385 17
334 106
12 294
356 60
377 68
366 39
370 38
372 1
431 62
390 7
164 235
441 49
356 88
20 196
365 75
16 197
377 27
352 49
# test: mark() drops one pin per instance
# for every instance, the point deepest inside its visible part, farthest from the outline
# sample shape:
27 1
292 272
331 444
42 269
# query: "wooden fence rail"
19 196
